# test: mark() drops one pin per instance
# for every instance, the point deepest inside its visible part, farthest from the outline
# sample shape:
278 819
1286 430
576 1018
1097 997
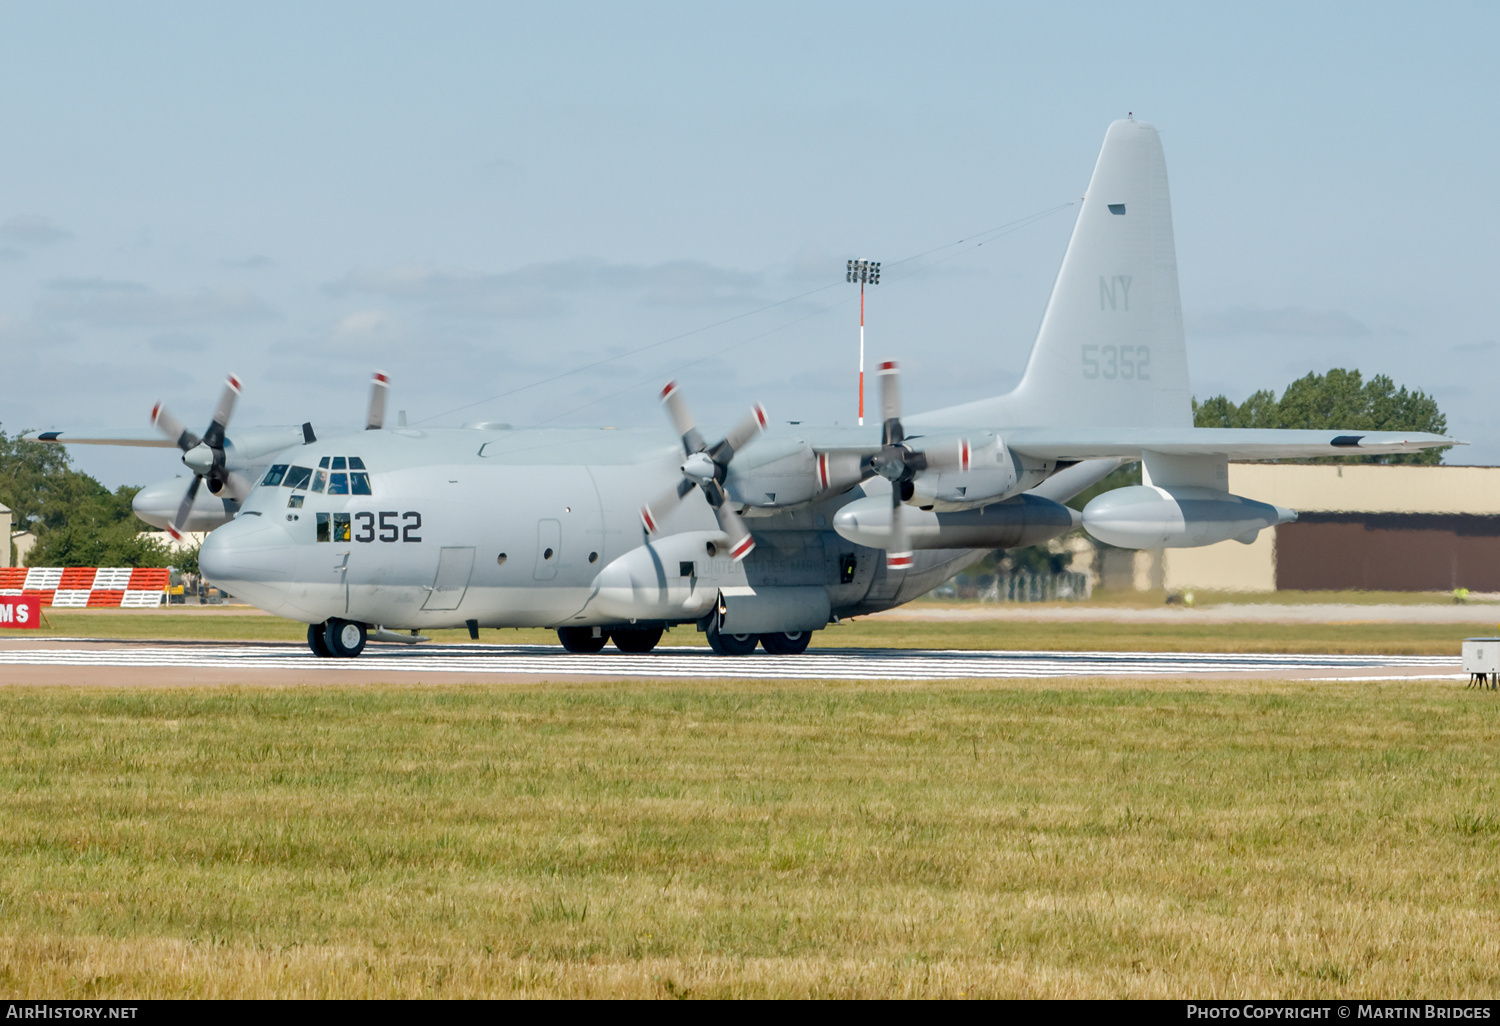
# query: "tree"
77 521
1338 400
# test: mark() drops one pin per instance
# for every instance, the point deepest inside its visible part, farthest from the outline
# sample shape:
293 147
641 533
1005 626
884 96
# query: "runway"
550 662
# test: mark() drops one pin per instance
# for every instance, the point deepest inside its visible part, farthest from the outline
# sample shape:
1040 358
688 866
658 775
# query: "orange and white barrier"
79 586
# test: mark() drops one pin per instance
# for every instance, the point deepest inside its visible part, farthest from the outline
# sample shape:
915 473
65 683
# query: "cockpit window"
338 463
321 480
359 483
355 463
274 475
323 463
338 483
297 477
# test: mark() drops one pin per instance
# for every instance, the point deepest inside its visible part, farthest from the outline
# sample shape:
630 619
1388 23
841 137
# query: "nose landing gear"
339 639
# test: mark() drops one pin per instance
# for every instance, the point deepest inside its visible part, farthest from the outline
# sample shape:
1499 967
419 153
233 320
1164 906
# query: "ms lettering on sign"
20 610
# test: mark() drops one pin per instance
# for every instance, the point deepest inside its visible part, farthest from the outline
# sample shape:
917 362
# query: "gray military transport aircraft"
770 533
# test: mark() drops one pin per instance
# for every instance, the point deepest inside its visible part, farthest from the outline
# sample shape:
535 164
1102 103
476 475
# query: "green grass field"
729 838
1186 635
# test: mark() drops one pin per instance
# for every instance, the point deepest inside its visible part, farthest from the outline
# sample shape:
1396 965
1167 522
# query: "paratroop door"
452 580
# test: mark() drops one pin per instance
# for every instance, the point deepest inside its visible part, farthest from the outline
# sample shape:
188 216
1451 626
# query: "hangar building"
1360 527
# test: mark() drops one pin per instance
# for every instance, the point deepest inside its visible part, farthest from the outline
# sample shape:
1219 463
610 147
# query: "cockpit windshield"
332 476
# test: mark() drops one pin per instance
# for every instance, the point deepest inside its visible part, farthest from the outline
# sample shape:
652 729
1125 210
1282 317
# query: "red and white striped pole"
865 272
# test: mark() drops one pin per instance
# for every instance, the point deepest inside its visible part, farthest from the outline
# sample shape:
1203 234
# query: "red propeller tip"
670 387
234 383
176 534
382 378
646 519
898 560
760 415
155 412
742 550
889 367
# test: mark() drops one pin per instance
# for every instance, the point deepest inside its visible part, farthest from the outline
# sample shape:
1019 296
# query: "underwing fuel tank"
1015 523
1178 517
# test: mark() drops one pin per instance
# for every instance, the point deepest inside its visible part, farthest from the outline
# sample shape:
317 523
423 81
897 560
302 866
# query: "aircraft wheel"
635 639
786 642
316 642
581 639
732 644
344 638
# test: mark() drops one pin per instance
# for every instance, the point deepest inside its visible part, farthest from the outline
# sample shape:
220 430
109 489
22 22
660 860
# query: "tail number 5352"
1125 363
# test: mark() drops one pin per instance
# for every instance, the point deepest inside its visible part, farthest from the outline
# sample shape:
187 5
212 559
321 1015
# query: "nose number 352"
390 526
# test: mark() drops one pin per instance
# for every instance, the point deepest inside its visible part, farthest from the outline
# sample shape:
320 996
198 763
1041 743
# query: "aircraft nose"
251 558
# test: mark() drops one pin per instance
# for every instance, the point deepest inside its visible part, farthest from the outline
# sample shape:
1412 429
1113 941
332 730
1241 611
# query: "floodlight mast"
866 272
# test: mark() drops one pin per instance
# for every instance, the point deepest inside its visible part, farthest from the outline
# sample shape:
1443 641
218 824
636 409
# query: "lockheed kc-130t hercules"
771 532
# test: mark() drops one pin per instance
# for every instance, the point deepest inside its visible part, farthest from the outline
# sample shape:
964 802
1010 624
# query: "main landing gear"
336 639
588 640
779 643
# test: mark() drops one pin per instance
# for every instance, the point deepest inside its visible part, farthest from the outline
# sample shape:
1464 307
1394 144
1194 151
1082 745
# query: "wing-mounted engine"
789 472
982 471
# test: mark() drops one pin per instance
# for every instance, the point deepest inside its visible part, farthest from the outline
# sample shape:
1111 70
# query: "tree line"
77 521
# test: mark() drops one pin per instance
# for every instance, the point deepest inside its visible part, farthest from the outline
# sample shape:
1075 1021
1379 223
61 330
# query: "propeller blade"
185 509
214 436
682 420
890 404
379 386
898 552
654 511
742 433
172 428
239 486
733 525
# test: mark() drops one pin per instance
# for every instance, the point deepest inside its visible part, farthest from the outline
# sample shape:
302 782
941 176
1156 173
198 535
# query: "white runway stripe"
837 664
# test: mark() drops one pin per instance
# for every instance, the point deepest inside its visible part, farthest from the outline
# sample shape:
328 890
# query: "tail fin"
1110 351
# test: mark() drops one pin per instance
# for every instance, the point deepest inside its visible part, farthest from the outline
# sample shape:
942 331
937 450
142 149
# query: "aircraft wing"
154 439
1064 443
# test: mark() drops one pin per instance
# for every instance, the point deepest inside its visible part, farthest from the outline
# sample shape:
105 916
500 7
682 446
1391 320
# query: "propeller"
204 456
706 467
899 463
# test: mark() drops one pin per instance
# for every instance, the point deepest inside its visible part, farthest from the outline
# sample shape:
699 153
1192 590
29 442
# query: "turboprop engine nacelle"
789 472
987 472
1178 517
1015 523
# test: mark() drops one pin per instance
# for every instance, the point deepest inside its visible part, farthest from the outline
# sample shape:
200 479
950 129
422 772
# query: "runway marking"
829 664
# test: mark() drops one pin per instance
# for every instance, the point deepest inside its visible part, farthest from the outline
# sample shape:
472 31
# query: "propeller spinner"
204 456
706 467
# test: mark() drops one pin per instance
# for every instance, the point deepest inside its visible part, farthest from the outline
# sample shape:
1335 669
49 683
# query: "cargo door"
455 564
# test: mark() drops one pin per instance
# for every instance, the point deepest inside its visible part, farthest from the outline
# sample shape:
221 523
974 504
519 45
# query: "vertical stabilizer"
1110 351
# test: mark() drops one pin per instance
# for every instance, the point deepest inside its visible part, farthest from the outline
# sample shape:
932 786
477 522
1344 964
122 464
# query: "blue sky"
478 197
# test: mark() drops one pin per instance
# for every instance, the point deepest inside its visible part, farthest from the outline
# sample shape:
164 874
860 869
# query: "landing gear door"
452 580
